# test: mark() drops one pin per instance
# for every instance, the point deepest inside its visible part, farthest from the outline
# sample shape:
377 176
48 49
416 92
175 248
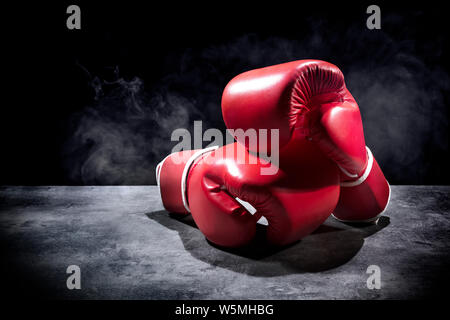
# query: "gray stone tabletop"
128 247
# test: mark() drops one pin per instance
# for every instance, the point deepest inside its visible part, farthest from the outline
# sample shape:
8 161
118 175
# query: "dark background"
98 105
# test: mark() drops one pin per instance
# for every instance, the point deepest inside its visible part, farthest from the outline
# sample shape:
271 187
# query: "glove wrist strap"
187 168
158 171
363 177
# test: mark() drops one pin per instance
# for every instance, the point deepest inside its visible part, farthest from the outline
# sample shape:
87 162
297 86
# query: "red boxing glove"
223 187
307 101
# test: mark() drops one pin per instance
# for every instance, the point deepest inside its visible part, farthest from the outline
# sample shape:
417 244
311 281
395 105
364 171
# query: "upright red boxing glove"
308 102
217 185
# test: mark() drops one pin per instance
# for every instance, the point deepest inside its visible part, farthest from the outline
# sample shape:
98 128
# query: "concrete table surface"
128 247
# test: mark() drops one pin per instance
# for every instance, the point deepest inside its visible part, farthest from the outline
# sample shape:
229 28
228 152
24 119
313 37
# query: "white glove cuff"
370 219
363 177
158 171
187 167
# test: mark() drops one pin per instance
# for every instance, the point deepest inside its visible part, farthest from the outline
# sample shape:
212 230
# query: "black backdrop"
98 105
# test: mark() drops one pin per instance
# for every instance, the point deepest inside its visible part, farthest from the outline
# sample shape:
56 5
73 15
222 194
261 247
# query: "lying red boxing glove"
217 185
308 102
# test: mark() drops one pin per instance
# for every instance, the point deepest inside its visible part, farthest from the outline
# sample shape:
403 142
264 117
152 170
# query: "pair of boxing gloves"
324 165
